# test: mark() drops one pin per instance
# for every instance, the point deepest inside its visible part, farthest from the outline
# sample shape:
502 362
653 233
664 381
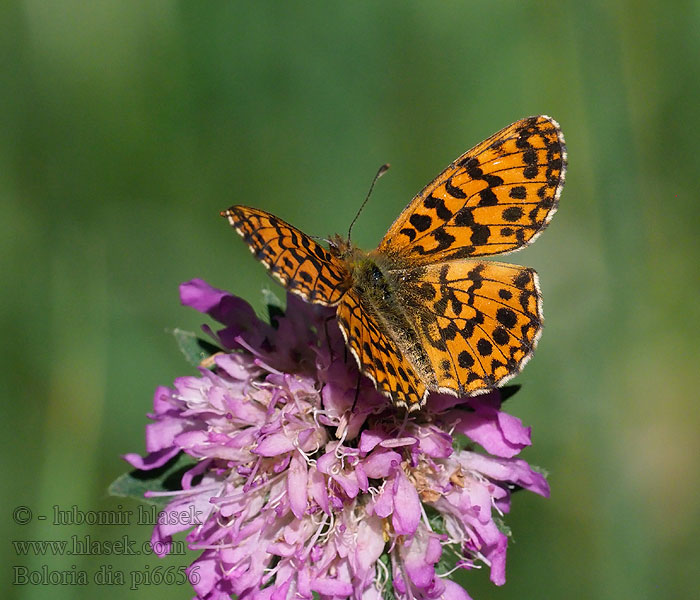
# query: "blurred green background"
125 127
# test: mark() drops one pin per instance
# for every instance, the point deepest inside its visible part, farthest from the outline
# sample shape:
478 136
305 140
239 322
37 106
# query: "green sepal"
194 348
275 306
167 478
541 470
502 527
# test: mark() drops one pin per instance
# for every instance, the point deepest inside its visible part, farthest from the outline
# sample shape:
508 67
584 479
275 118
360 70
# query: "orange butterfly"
422 312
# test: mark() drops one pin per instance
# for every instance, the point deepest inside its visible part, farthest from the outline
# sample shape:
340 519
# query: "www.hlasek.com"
87 545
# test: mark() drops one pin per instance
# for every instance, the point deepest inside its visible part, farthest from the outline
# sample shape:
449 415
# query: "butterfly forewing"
494 198
478 321
302 265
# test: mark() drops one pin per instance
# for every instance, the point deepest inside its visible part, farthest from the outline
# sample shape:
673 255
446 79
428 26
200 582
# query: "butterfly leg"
328 337
357 390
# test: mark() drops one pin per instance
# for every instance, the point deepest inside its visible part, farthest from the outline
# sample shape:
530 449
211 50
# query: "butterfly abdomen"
378 288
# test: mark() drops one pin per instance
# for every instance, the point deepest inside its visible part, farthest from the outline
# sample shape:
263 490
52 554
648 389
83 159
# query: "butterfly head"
340 247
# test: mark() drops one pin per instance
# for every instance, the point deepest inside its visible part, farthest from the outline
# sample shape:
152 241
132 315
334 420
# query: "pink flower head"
299 492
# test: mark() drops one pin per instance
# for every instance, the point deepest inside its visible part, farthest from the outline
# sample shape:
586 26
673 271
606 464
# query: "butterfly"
423 312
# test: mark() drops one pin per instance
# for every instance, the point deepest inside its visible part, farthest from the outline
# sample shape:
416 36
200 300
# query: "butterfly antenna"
383 169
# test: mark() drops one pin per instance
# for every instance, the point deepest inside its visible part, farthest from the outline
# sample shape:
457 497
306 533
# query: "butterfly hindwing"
302 265
377 354
494 198
478 321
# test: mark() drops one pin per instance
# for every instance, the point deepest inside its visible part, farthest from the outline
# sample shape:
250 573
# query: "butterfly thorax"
375 278
370 272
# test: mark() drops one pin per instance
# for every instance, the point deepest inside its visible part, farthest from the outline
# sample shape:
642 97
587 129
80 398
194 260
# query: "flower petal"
498 433
384 502
454 591
331 587
436 443
318 490
407 506
420 556
152 460
201 296
370 543
296 485
381 464
274 445
370 438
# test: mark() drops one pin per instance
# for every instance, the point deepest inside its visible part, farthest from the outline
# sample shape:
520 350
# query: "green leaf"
388 589
448 558
194 348
435 518
163 479
462 442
